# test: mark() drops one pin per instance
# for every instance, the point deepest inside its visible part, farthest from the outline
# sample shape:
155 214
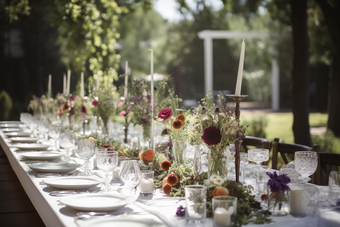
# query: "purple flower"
278 183
170 144
170 156
128 109
180 211
72 111
148 96
73 98
136 98
144 119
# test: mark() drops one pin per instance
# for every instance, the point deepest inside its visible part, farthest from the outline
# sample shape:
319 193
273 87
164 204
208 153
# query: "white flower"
205 118
217 180
207 182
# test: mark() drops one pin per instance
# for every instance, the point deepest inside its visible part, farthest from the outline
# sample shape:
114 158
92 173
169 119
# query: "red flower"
66 106
172 179
94 102
165 114
212 135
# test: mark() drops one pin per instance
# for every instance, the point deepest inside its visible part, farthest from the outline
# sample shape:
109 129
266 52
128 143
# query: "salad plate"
23 139
42 155
57 167
31 146
73 183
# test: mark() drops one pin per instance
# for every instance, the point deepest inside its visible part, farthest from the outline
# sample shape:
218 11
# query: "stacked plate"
47 155
73 183
31 146
17 134
23 139
58 167
97 201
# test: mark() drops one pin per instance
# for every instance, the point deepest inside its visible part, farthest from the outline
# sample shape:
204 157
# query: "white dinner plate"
58 167
31 146
23 139
18 134
11 122
97 201
11 126
47 155
11 129
73 183
121 222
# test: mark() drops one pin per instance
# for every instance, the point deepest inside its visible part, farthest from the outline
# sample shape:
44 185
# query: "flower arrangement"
139 95
36 105
175 124
105 103
278 185
216 128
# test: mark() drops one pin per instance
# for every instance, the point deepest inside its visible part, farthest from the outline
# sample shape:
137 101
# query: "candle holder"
239 135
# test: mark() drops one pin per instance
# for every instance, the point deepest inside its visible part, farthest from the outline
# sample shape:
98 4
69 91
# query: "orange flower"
181 117
172 179
165 165
165 181
264 197
148 156
167 188
177 124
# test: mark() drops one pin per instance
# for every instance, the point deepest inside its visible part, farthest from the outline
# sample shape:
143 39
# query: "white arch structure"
209 35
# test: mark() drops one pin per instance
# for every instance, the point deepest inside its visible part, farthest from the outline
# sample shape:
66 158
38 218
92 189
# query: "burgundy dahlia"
83 109
212 135
94 102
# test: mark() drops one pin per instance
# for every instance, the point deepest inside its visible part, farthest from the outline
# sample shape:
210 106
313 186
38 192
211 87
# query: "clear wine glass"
86 150
258 156
334 188
54 132
67 140
131 174
243 163
106 161
306 163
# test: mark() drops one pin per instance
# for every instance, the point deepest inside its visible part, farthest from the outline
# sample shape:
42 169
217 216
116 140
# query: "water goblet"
86 150
306 163
243 163
130 174
258 156
67 140
106 161
54 132
334 188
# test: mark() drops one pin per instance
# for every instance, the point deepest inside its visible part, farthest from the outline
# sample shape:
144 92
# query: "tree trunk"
332 18
299 77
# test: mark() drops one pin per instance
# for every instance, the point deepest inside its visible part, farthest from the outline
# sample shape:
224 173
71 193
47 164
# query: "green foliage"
257 126
15 8
5 105
326 142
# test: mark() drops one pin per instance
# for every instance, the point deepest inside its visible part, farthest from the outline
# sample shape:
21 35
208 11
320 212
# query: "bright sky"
169 8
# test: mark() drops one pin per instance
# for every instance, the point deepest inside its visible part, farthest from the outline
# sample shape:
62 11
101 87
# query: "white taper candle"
152 102
82 85
126 81
64 84
49 86
240 71
68 81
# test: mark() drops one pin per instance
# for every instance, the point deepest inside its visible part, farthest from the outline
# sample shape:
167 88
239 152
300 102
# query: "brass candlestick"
240 135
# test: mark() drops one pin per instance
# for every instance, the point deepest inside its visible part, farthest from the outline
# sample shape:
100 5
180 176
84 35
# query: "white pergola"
209 35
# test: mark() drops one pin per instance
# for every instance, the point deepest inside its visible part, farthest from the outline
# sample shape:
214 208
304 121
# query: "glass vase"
105 128
216 163
278 202
178 151
145 138
197 159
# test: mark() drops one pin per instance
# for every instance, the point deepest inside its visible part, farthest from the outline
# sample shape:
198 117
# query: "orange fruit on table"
220 191
93 139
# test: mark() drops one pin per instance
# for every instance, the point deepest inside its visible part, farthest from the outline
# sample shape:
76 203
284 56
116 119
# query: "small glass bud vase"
278 202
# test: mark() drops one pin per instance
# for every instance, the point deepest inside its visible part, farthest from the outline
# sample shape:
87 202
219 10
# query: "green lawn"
280 124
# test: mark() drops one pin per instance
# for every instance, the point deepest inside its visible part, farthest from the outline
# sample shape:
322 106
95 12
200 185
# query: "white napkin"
156 213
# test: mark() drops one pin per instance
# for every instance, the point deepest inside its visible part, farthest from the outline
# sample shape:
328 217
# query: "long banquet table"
53 213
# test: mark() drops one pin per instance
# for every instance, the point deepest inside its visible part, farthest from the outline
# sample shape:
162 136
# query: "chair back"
326 163
250 142
288 149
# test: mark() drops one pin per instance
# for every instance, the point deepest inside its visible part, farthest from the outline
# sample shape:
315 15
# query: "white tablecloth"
55 214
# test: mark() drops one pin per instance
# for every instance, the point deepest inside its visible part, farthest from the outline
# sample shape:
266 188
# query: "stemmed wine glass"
334 188
86 150
306 163
54 132
106 161
258 156
243 163
67 140
131 174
